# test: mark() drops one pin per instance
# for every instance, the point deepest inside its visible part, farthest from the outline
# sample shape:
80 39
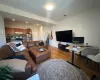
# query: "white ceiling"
63 7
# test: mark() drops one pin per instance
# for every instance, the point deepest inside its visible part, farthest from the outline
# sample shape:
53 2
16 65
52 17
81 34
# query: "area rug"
58 69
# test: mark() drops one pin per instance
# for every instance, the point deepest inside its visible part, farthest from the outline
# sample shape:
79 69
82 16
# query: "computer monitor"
78 39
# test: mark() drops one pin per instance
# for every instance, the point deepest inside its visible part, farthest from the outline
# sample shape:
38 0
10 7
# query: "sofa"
6 51
29 44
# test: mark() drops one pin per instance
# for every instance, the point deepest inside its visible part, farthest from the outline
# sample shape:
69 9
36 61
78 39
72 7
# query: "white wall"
46 32
40 32
86 24
2 32
35 32
43 32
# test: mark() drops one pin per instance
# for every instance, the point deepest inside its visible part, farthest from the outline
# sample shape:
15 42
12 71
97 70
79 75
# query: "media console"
62 46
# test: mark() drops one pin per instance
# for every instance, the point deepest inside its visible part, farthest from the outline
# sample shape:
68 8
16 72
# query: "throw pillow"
21 47
13 47
15 57
41 43
17 65
18 44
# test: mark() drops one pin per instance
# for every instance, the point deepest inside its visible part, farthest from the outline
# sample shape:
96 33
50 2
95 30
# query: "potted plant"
5 73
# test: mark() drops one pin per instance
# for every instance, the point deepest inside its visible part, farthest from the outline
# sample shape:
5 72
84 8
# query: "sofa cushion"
25 44
37 43
97 58
6 51
17 65
31 43
90 56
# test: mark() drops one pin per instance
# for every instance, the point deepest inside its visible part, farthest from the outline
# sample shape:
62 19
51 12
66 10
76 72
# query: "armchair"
90 51
94 58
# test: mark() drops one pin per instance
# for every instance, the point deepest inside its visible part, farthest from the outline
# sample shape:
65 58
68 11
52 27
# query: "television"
79 39
64 36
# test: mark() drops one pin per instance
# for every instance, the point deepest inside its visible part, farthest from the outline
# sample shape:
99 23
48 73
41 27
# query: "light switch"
1 32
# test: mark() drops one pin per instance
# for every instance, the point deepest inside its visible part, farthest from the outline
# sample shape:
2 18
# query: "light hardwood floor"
90 68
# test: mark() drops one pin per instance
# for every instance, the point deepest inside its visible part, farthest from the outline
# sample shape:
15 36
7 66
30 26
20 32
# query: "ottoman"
38 56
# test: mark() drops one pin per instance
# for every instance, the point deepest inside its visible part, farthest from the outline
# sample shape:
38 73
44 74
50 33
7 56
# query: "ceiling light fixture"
49 6
26 22
13 19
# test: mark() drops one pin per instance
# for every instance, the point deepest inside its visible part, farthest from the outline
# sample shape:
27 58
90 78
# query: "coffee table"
38 56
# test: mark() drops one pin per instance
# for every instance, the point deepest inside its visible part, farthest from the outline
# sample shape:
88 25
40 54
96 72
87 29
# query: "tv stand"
62 46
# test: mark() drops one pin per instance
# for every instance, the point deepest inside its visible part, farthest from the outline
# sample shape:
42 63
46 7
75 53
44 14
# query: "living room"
36 27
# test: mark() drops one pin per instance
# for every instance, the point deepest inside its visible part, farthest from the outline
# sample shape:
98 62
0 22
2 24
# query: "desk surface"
77 49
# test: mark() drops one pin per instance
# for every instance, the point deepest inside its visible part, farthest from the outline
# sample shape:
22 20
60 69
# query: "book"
34 77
